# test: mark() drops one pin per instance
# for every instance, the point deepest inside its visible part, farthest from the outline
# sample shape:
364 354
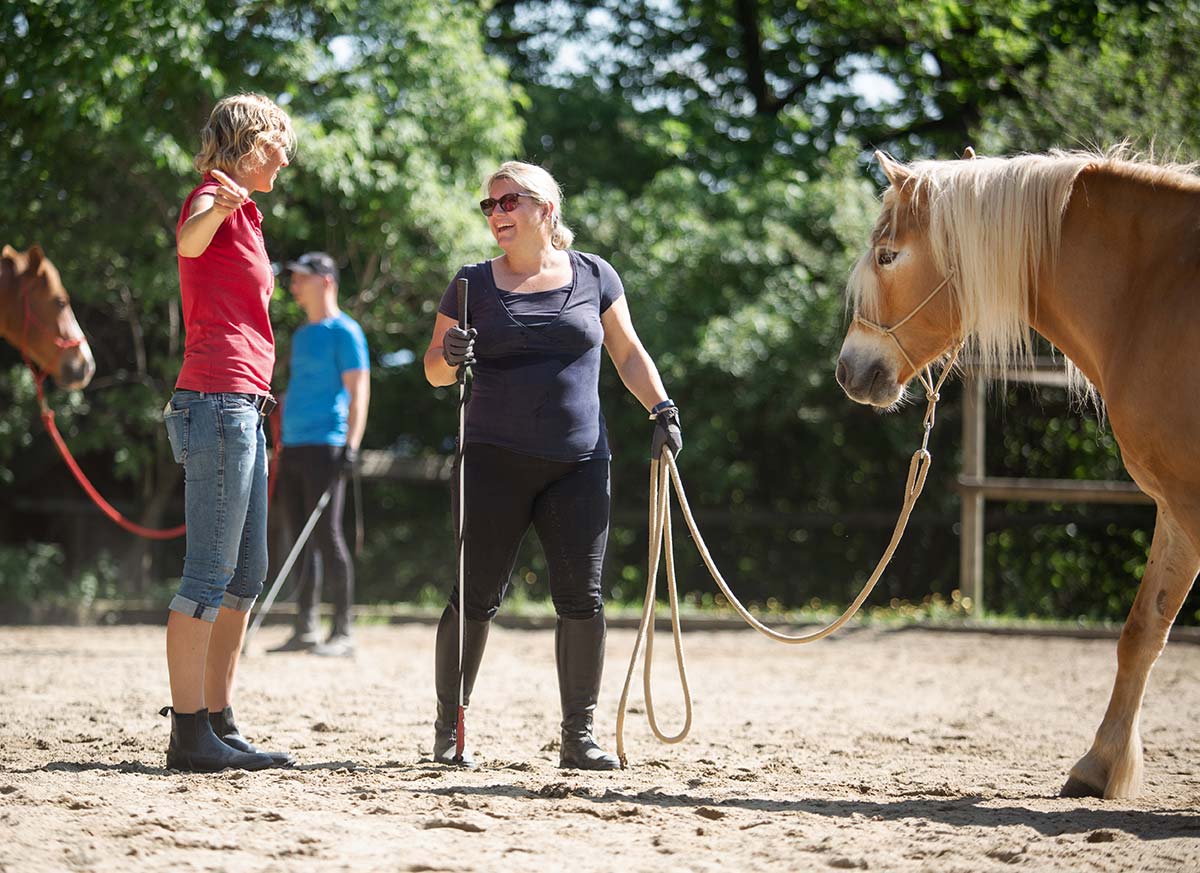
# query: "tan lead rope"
661 540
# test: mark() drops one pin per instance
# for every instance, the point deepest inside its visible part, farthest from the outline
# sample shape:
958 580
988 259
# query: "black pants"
568 505
305 472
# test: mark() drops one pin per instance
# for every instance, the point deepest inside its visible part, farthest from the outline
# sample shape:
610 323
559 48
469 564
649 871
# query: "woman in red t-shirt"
214 421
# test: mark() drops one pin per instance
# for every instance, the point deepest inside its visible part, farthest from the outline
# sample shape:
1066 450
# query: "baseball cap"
314 263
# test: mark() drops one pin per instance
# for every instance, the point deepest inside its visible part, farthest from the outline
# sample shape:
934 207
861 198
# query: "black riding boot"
227 732
579 651
445 729
194 748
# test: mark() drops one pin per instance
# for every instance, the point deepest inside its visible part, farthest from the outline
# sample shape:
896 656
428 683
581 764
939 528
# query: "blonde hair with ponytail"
538 182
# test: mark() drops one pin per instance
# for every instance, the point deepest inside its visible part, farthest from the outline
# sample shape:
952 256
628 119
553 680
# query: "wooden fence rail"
975 487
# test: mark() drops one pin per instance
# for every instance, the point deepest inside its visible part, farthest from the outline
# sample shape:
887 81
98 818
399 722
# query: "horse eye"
60 303
885 257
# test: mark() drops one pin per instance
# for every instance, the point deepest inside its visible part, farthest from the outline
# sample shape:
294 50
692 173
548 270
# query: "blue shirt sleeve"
350 350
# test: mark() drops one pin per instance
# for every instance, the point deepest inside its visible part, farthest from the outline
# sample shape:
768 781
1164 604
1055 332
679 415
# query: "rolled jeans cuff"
238 604
192 609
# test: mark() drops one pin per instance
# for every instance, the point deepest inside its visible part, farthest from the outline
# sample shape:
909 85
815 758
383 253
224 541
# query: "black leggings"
567 502
306 472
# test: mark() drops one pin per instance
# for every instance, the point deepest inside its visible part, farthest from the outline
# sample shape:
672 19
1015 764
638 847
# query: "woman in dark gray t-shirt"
536 452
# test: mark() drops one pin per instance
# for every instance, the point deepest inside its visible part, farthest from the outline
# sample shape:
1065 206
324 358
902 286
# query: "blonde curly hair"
240 129
538 182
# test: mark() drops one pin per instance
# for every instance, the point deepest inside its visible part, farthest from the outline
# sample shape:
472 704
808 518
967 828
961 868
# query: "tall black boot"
194 748
227 732
445 729
579 651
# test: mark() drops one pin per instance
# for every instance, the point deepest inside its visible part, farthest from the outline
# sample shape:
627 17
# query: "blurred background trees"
717 152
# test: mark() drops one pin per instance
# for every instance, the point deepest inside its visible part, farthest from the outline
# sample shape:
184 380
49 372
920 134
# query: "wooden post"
970 570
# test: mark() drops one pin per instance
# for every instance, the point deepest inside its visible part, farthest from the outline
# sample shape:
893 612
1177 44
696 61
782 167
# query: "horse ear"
969 154
35 262
895 171
10 258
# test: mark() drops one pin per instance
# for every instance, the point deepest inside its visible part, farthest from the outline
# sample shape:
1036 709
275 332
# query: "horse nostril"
874 374
840 373
76 372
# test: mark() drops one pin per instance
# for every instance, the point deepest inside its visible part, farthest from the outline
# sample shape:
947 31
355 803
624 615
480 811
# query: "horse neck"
1117 234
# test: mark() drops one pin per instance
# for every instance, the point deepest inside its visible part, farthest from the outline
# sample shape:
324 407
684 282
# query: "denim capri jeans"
219 440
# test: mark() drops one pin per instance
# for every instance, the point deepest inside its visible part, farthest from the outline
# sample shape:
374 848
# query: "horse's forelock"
863 287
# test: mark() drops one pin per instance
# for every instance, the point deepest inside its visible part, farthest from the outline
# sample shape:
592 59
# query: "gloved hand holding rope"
667 432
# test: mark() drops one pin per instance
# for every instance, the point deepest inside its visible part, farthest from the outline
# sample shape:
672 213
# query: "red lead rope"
106 507
48 420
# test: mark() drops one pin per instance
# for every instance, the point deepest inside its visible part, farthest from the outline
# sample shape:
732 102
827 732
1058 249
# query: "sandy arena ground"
891 751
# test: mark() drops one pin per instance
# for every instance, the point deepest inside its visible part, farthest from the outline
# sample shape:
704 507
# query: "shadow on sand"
965 811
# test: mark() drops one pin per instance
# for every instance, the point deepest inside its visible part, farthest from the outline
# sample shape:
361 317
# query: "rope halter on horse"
923 374
29 317
890 332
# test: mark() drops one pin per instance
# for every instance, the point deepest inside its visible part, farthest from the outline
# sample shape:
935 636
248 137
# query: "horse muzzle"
76 368
868 379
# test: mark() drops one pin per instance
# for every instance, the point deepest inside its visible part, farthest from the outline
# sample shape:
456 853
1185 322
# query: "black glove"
667 433
348 461
458 346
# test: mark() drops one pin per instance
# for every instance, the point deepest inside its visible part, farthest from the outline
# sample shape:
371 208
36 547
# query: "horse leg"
1112 768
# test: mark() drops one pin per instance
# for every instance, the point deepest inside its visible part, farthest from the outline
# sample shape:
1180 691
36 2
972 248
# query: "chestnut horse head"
36 317
953 258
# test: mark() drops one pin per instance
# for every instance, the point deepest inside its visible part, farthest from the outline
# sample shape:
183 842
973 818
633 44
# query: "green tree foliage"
742 84
1136 83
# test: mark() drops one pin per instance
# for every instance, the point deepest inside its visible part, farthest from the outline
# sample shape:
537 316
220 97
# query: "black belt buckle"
267 405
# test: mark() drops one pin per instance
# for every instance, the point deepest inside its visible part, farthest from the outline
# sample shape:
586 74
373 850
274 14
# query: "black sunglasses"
507 202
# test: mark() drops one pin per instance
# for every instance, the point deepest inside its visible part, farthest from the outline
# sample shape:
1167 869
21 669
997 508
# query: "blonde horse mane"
992 222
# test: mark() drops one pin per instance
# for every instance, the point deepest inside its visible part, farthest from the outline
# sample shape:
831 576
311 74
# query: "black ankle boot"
227 732
579 652
445 729
194 748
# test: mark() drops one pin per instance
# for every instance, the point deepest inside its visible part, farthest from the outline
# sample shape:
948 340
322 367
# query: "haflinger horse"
36 317
1101 256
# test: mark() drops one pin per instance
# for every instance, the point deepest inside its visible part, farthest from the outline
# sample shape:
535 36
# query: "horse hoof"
1079 788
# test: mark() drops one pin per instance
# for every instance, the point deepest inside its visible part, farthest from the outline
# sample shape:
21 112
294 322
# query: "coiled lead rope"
662 541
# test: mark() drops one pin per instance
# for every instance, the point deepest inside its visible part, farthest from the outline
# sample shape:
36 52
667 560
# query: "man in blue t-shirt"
324 415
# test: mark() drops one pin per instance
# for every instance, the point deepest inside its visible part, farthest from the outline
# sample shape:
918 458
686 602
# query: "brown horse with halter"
1101 256
36 317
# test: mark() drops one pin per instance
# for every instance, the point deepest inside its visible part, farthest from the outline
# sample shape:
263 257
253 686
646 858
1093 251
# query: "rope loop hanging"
664 474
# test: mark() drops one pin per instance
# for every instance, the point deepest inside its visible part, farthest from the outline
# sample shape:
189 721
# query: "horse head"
903 320
36 317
